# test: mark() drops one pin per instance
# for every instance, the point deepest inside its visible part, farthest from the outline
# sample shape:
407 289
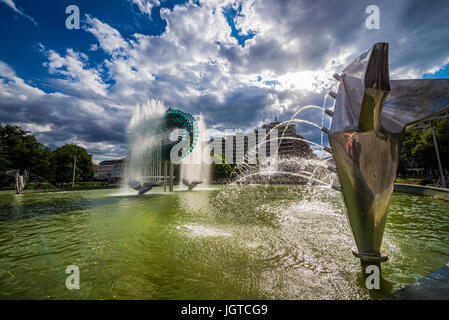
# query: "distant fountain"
158 139
28 178
194 170
20 180
144 166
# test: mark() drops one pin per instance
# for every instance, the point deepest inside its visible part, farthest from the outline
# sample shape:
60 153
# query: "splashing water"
144 161
193 168
254 184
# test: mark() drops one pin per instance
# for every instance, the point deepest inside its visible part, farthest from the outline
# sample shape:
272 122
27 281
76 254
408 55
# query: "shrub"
425 182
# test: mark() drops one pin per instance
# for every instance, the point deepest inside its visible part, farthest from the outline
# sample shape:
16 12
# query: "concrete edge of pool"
439 193
435 192
434 286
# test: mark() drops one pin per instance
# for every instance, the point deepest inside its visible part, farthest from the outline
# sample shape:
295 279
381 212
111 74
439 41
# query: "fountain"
142 187
143 168
194 170
269 234
20 180
368 122
159 139
369 118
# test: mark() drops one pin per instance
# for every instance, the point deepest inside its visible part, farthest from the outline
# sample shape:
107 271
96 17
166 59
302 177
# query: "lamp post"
74 169
443 181
425 125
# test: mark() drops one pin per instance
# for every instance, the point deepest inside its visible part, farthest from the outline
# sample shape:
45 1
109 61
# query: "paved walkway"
435 286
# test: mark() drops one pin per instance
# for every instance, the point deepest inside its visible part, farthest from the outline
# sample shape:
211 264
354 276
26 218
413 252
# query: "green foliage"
21 150
64 158
4 162
221 170
418 148
39 186
406 159
408 181
425 182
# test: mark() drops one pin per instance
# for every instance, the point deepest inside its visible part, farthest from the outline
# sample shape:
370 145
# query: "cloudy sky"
239 63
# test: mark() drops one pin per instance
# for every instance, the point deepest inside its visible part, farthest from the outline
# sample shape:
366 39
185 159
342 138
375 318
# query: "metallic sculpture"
191 184
142 187
177 119
370 115
20 180
167 142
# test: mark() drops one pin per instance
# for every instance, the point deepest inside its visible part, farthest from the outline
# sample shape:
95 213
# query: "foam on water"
193 167
204 231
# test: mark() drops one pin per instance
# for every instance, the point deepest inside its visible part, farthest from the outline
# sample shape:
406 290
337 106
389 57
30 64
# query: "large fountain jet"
152 137
370 115
193 170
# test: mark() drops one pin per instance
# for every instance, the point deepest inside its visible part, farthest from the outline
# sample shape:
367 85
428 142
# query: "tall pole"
74 168
438 157
171 170
165 176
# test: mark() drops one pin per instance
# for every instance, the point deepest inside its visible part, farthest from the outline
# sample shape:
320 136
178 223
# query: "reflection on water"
257 242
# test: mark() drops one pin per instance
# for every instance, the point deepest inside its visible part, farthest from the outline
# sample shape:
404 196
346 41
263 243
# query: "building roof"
102 163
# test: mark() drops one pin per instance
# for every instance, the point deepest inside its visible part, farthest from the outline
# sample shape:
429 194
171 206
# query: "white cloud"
432 70
57 118
12 86
35 128
12 5
145 6
109 38
196 65
77 76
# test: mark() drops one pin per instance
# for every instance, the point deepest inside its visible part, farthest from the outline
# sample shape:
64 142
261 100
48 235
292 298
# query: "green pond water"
253 242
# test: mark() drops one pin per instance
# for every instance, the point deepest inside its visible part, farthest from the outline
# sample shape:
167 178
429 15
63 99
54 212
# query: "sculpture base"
370 258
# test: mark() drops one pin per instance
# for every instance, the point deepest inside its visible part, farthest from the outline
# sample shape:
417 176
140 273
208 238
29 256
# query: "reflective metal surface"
368 122
20 180
191 184
142 187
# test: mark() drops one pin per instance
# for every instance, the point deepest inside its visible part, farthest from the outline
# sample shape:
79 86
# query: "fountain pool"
263 242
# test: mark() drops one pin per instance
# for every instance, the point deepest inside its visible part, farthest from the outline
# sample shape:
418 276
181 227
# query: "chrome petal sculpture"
191 184
20 180
370 115
142 187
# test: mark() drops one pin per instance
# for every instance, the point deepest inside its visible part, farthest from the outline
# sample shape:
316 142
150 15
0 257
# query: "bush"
425 182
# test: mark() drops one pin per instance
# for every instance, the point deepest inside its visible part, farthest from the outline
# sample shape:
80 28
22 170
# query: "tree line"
418 149
19 149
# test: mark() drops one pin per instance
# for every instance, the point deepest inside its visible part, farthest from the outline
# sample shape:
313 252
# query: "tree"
406 159
4 161
20 150
64 158
424 151
221 170
418 149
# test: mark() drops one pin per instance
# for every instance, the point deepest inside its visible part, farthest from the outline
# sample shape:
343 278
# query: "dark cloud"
197 66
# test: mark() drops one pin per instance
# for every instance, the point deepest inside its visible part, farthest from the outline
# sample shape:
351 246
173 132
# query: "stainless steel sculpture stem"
370 115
